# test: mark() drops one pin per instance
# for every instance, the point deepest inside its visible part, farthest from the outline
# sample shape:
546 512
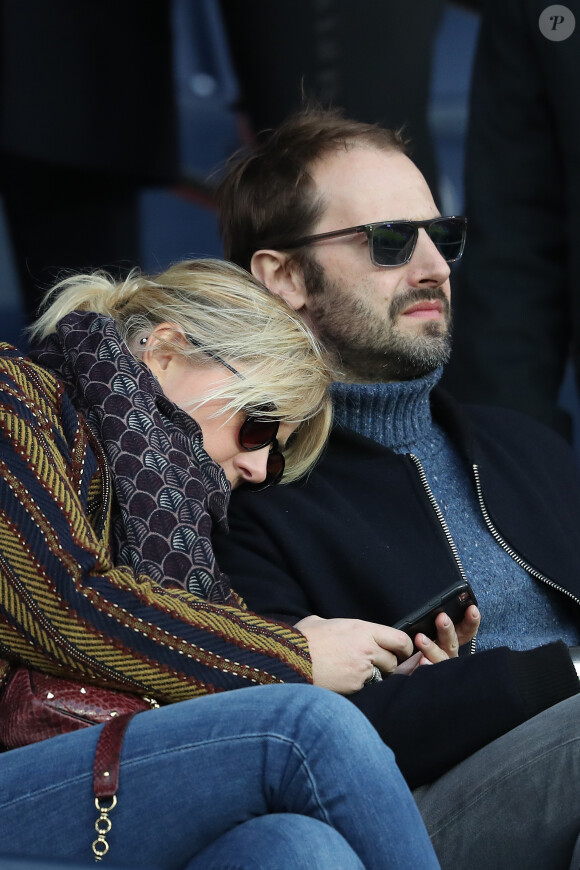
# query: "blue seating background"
181 223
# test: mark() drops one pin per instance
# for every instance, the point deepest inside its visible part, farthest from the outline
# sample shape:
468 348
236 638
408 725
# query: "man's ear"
281 276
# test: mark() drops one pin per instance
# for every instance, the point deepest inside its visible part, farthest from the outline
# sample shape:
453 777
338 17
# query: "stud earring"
144 340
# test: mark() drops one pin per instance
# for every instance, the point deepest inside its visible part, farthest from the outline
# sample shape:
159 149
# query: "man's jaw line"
377 363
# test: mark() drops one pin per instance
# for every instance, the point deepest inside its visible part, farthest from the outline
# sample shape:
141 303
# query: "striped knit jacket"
66 608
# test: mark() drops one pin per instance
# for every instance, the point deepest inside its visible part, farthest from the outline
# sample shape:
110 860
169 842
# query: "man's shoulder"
481 427
477 430
495 415
511 427
354 468
351 467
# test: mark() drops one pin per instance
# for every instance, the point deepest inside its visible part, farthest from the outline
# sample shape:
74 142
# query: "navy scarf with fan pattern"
169 493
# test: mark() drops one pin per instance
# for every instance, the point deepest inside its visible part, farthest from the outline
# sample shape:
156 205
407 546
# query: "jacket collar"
447 412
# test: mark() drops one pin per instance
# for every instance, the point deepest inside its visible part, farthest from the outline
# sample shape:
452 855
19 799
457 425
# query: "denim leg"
276 842
193 771
514 804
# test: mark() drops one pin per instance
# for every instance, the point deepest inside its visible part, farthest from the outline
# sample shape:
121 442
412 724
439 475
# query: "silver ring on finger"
375 677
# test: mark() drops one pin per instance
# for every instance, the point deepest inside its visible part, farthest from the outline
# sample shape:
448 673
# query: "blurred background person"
516 300
87 118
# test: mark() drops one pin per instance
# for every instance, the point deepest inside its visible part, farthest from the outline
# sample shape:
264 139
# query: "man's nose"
427 266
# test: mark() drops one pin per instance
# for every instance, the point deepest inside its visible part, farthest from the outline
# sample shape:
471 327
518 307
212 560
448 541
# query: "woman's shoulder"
21 377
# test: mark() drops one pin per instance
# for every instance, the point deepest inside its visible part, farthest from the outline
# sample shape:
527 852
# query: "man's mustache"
418 294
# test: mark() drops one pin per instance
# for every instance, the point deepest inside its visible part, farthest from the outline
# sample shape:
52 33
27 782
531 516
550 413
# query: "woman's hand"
449 638
344 651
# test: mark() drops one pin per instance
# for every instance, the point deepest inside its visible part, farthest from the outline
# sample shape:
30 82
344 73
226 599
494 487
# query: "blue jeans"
271 777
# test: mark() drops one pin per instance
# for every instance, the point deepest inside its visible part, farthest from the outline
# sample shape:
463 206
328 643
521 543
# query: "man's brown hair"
266 197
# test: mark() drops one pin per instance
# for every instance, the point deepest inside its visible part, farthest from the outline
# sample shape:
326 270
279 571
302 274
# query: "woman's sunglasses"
392 243
255 432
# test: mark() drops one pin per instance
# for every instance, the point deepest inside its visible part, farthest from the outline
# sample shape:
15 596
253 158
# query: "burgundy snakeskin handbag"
35 706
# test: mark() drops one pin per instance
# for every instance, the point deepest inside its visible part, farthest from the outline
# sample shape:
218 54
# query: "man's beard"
369 348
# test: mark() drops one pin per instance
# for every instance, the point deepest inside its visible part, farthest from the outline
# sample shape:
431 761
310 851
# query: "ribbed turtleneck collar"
394 415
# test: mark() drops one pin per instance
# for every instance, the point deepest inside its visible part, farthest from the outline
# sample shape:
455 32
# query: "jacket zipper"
443 523
505 546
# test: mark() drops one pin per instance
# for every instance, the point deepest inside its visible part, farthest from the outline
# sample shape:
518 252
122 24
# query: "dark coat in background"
87 116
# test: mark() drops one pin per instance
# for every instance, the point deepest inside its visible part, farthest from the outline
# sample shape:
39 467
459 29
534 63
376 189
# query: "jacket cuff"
545 676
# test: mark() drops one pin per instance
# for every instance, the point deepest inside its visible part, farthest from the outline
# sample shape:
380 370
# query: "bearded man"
414 492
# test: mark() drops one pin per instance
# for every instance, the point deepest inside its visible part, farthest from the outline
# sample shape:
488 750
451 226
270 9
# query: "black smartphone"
454 601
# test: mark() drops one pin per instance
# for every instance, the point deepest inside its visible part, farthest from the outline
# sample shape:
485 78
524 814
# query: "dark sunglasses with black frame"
255 432
392 243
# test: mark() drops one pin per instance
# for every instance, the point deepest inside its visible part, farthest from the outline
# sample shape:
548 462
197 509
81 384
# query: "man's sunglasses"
255 432
392 243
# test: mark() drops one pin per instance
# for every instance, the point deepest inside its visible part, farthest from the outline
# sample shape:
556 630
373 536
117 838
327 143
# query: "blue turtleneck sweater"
517 610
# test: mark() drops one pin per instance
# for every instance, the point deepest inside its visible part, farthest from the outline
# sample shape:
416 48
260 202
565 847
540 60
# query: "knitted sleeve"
65 608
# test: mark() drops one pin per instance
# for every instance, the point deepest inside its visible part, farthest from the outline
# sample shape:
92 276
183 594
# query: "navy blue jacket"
360 538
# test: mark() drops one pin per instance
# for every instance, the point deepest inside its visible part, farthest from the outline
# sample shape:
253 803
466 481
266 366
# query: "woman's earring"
144 340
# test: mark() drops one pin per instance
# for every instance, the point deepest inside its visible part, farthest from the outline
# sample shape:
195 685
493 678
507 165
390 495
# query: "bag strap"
106 777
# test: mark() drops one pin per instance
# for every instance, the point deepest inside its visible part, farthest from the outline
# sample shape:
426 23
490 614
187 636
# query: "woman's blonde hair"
229 314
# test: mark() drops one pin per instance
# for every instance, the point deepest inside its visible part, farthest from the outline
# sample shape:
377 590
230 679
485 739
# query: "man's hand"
468 627
449 638
344 651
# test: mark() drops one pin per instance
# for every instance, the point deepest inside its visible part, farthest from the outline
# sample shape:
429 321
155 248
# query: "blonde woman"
140 406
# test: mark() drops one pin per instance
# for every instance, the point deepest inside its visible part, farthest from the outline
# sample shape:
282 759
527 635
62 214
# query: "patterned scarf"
168 491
